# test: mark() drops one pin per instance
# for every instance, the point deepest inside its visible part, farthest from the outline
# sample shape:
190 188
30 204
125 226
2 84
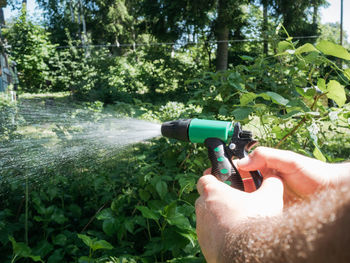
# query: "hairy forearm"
316 231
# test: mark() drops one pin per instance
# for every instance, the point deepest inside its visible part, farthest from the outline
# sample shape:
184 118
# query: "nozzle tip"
176 129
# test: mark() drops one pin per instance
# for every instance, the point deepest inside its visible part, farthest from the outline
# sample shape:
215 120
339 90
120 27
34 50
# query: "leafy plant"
93 244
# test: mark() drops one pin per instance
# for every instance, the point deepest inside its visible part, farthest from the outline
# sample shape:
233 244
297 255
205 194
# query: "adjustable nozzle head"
197 131
176 129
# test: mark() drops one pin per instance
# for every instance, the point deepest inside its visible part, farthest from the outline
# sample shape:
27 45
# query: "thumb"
272 186
270 194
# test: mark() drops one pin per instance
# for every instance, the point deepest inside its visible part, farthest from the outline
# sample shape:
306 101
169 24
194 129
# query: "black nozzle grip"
257 178
222 166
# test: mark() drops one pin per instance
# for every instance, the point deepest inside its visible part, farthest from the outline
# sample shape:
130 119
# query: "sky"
332 14
329 14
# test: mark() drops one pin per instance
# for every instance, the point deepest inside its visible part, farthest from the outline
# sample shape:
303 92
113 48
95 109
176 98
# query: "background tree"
33 52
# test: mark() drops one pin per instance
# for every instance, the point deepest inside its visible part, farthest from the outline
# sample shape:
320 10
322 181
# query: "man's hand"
221 208
301 175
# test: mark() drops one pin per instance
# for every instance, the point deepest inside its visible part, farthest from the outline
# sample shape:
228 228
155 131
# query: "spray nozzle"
215 135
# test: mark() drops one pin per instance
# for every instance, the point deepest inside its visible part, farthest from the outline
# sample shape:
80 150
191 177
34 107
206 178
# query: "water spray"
224 141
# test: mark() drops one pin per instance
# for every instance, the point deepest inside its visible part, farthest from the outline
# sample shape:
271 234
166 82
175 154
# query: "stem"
14 258
26 212
92 218
303 120
186 158
90 254
148 230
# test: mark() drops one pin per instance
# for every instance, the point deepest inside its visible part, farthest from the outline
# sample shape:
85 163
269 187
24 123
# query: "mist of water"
50 134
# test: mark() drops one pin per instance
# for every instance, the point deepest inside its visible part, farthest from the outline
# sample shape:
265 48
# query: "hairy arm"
316 231
235 226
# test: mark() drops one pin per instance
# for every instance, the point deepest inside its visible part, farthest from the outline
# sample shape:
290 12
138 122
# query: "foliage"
138 205
33 53
330 32
290 97
7 117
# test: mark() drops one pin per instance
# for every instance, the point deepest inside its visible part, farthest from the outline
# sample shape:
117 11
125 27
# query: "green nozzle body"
197 131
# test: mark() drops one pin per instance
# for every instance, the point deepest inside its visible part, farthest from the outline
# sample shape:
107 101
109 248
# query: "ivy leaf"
147 213
332 49
336 92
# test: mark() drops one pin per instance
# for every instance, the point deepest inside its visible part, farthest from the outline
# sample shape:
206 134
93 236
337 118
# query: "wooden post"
341 22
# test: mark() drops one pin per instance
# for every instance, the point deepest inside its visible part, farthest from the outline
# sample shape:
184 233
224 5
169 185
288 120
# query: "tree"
295 15
33 51
330 32
170 20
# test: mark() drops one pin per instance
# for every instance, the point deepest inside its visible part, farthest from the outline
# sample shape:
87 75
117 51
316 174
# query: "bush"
283 98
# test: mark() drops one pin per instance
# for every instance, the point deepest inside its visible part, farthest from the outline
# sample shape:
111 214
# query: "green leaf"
276 98
247 58
247 98
318 154
43 248
179 220
21 250
129 226
145 195
110 226
283 46
242 113
147 213
101 244
347 73
85 259
336 92
161 188
305 48
189 235
321 84
60 239
332 49
86 239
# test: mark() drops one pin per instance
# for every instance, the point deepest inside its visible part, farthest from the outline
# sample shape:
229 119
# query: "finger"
272 186
206 183
200 206
261 157
207 171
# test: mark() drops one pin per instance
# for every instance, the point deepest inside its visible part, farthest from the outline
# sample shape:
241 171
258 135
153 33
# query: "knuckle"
259 151
206 183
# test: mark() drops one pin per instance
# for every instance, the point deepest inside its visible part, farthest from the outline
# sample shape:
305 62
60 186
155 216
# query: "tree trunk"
2 17
71 11
264 28
315 14
222 33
